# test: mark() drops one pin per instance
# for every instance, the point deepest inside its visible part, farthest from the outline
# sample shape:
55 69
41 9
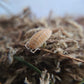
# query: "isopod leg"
34 50
44 45
27 46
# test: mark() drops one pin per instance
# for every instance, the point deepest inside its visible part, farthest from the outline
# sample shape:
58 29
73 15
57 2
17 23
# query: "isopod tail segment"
31 50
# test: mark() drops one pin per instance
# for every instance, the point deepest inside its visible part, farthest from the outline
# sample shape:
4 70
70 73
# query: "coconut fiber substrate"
59 61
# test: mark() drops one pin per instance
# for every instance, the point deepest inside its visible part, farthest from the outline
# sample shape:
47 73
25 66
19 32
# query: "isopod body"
38 39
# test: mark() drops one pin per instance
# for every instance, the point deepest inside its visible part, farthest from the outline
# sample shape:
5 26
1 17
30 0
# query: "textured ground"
67 39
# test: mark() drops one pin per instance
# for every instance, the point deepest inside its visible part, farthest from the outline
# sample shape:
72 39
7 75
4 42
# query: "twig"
72 58
63 55
27 64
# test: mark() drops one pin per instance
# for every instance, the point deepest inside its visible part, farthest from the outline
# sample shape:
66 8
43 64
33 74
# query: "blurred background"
43 7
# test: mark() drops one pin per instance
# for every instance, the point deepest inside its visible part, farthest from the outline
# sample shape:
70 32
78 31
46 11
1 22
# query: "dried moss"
67 38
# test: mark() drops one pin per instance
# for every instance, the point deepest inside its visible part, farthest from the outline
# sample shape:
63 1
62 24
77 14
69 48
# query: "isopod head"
38 39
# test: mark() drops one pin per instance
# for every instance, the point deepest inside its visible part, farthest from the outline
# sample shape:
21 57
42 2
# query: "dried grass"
66 43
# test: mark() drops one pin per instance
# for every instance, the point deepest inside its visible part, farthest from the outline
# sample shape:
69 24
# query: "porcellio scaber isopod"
38 39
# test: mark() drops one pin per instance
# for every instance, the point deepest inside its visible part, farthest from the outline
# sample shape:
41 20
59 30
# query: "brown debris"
62 56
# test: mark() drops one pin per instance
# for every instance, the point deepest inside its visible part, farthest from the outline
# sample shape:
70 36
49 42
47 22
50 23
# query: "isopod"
38 39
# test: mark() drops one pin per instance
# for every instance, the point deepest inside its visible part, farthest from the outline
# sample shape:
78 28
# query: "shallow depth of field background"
42 7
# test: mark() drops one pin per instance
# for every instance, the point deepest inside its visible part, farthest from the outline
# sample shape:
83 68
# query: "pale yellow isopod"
38 39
